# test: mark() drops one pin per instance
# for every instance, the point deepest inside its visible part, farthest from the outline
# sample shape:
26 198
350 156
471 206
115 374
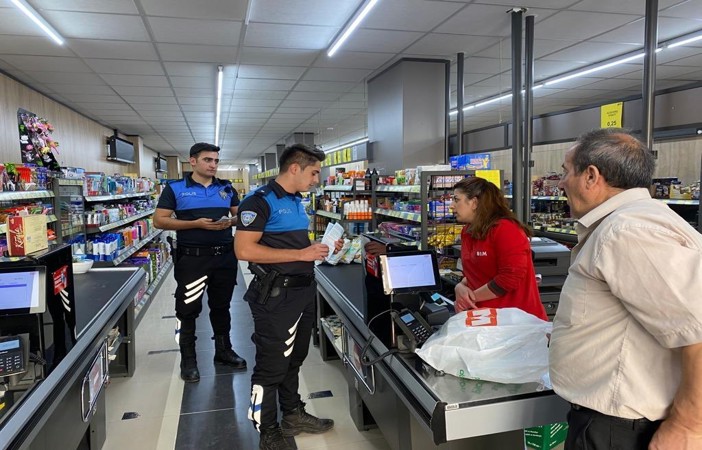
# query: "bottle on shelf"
367 179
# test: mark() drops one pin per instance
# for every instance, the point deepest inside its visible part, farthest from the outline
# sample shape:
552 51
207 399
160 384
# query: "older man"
626 349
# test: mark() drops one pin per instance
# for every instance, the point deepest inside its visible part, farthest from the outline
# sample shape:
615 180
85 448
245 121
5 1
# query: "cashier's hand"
315 252
465 298
212 225
338 245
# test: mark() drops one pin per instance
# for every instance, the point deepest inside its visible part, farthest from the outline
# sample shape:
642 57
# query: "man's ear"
593 175
294 169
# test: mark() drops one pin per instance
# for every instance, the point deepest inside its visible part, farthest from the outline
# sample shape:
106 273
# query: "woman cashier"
495 252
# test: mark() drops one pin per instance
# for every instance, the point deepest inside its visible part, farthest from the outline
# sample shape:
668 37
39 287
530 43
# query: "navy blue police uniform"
283 325
205 259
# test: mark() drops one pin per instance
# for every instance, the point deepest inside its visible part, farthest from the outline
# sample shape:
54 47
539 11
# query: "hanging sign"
611 115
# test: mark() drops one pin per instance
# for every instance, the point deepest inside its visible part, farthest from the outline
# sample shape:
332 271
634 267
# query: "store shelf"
105 198
71 230
70 182
411 189
672 201
561 230
24 195
142 306
114 347
556 198
414 217
339 188
404 237
113 225
335 340
331 215
49 219
129 251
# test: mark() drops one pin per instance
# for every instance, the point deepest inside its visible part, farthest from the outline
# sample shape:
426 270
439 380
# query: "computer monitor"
410 272
22 290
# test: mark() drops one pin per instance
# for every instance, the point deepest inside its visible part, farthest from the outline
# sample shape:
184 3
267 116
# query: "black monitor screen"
22 290
413 271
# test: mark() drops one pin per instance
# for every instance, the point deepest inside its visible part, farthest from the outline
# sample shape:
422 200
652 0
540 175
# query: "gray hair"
622 159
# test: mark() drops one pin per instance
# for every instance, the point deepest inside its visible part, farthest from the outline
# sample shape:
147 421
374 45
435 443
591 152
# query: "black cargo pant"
282 330
591 430
195 274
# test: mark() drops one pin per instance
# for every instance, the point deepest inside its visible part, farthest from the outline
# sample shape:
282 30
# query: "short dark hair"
202 147
300 154
492 206
623 160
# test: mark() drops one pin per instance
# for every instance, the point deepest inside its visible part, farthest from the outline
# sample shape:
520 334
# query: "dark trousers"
195 275
591 430
282 330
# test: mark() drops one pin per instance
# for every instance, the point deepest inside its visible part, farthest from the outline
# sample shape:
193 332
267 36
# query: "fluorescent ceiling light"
249 7
348 144
39 20
220 75
582 73
685 42
350 27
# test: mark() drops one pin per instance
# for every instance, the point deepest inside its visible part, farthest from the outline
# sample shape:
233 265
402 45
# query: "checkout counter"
57 402
415 406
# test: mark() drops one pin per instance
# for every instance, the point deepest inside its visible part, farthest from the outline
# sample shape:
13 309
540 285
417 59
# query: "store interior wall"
81 140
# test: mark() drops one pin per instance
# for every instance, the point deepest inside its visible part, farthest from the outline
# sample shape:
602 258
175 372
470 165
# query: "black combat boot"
272 439
188 363
225 355
299 421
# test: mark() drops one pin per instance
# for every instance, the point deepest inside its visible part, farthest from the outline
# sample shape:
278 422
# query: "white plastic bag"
505 345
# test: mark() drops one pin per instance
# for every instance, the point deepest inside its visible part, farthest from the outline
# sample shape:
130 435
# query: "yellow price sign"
493 176
611 115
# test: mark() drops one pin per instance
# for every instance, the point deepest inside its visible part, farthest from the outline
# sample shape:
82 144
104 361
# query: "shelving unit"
143 304
427 189
129 251
113 225
348 189
107 198
24 195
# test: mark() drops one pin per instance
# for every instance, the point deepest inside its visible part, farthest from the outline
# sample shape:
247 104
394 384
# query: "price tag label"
611 115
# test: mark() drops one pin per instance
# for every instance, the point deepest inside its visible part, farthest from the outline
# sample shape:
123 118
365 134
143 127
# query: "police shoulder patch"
247 217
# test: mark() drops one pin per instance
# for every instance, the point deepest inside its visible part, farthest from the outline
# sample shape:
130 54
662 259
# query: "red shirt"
503 261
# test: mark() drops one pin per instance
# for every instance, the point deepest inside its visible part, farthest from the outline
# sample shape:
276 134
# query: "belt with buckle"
205 251
293 281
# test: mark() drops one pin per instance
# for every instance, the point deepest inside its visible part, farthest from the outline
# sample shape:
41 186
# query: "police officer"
204 258
272 234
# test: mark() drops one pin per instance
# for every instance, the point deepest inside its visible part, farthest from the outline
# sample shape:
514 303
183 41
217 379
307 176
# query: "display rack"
69 206
12 196
347 189
142 305
126 252
110 226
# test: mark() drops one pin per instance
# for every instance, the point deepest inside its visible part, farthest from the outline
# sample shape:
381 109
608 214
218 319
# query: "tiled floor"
211 414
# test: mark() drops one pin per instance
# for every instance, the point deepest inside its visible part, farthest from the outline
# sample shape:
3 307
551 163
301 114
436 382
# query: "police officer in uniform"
272 234
204 257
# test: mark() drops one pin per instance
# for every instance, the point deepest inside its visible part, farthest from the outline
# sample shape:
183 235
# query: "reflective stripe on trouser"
282 330
196 275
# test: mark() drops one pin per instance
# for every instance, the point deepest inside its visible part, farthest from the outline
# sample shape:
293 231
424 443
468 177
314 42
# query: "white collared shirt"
632 298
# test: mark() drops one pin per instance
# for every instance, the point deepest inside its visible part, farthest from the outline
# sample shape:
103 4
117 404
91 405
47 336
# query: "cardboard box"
545 437
26 234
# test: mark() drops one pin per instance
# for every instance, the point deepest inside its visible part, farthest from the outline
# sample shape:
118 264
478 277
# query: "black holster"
263 286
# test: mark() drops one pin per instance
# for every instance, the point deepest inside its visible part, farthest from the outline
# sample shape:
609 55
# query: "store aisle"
156 410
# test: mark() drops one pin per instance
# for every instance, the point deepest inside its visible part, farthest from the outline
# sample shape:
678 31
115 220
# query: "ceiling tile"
324 86
67 78
354 60
273 72
97 26
277 56
197 53
13 22
256 102
29 45
633 33
589 52
568 25
288 36
305 104
328 74
139 100
124 67
194 82
81 89
88 48
212 9
365 40
52 63
620 6
195 31
136 80
435 44
112 6
188 69
155 106
261 84
409 15
152 91
304 12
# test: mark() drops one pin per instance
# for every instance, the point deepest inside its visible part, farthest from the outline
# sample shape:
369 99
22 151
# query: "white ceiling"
148 67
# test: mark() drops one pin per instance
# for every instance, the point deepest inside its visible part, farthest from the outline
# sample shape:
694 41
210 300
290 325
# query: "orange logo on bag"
484 317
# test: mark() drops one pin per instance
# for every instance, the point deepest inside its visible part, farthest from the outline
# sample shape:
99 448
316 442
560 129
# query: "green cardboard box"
545 437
